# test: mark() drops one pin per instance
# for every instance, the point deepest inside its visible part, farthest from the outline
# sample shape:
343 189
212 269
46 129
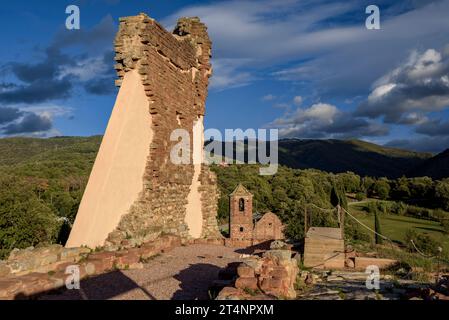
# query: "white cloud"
268 97
417 86
226 74
322 120
297 100
381 91
273 32
86 69
48 110
319 112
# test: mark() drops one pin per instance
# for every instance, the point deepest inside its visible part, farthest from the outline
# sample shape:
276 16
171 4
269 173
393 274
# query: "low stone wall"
212 241
273 275
40 260
361 263
30 272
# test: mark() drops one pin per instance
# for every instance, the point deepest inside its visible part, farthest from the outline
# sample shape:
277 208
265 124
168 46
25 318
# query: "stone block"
5 270
9 287
278 256
99 265
279 272
349 263
124 260
245 271
148 250
90 268
77 253
229 293
246 283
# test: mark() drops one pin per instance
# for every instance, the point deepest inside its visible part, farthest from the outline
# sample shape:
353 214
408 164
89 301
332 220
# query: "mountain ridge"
331 155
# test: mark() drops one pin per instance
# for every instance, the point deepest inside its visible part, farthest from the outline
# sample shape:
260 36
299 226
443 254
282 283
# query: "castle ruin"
135 193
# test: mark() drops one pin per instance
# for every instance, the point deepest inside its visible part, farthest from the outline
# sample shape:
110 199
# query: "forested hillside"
42 182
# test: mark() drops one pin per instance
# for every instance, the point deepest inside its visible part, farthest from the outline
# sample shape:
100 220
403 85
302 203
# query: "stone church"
244 228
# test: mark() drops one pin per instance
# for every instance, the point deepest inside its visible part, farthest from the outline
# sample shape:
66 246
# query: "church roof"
266 215
240 190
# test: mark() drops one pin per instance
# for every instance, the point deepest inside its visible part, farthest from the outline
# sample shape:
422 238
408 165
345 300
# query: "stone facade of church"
243 229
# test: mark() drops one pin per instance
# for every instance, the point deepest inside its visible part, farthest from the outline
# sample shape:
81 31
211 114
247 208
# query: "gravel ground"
184 273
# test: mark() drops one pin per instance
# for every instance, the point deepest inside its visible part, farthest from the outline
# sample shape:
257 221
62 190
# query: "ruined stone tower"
241 214
135 192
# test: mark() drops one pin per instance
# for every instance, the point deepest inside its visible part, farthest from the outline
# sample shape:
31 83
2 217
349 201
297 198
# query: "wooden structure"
324 247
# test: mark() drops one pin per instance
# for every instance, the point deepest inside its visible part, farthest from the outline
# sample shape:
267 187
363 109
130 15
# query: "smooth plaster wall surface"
117 175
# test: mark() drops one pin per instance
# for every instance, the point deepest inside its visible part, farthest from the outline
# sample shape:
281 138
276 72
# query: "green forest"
42 182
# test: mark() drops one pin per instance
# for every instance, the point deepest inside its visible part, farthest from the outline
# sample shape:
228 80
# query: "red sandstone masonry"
258 278
23 286
175 68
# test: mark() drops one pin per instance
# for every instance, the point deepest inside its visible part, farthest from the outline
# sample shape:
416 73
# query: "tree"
401 189
338 197
442 194
382 188
24 219
360 196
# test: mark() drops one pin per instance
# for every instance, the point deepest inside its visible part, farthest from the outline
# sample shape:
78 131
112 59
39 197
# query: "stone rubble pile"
271 276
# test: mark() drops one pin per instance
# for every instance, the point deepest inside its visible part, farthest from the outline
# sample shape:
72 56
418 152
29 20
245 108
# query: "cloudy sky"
309 68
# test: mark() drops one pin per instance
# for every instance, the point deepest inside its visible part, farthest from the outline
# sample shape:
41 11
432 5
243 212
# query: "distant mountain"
436 167
19 150
363 158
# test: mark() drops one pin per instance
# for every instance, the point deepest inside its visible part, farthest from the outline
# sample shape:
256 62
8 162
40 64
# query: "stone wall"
269 227
174 69
34 271
40 260
241 222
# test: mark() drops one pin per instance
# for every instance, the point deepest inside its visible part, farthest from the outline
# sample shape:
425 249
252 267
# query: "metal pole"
305 221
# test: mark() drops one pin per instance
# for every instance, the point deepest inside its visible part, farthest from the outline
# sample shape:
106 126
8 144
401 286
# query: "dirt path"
183 273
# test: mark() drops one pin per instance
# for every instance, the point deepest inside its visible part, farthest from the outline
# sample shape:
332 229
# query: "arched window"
241 204
241 229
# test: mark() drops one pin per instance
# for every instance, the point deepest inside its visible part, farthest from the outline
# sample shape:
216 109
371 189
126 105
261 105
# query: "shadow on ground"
194 284
255 248
195 280
102 287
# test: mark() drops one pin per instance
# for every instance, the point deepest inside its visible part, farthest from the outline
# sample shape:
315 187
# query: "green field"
395 226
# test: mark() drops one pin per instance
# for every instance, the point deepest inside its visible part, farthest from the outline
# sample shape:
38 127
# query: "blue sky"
309 68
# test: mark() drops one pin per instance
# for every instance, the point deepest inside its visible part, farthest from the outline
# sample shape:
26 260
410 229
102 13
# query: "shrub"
445 224
423 242
398 208
24 219
355 233
382 189
360 196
